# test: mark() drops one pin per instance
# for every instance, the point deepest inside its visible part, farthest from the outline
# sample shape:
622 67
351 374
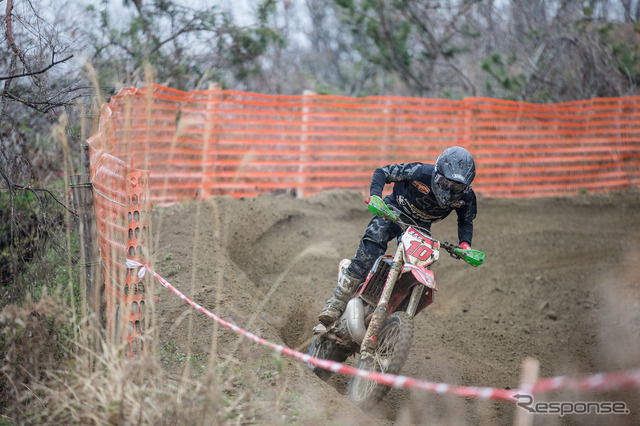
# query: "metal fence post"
91 276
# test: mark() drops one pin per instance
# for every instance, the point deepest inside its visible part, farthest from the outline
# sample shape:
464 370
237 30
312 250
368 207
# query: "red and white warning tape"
619 380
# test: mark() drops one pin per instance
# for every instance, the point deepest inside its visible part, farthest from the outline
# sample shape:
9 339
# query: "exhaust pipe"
354 314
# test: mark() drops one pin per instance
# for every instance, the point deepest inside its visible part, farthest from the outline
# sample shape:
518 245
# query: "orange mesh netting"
204 143
122 206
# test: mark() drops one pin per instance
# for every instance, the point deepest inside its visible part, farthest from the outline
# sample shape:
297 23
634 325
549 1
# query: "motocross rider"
426 193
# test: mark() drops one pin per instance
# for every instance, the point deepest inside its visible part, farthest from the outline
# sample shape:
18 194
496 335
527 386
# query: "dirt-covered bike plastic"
378 321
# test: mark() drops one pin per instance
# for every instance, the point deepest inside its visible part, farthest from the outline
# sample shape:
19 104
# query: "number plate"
418 248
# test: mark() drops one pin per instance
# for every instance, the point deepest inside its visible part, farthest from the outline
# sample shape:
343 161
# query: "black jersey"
412 192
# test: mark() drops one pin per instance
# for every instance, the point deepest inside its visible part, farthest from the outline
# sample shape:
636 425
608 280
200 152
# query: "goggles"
448 184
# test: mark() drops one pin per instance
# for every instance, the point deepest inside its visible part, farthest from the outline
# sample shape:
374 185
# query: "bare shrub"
34 338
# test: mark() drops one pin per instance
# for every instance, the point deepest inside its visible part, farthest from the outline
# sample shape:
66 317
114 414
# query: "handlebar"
379 208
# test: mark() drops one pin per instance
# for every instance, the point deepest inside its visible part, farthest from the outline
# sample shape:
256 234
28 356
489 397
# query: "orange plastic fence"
204 143
121 200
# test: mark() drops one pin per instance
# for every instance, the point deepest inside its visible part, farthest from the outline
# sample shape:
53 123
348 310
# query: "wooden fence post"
304 139
528 377
91 277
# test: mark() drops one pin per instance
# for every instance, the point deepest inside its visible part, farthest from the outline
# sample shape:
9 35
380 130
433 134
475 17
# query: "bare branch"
12 42
397 61
27 74
14 186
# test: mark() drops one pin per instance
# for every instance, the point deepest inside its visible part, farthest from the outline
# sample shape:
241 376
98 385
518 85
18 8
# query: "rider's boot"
335 306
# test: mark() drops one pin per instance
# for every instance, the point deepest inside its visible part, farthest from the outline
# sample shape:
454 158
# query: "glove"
464 246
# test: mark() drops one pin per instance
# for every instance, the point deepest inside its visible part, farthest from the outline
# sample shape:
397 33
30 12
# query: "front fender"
422 274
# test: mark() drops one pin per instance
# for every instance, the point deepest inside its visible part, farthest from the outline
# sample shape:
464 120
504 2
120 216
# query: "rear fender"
422 274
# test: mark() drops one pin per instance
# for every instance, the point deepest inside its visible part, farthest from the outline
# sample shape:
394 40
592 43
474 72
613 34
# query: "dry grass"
50 378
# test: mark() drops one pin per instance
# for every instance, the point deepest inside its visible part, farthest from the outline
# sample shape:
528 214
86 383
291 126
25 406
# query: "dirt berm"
561 284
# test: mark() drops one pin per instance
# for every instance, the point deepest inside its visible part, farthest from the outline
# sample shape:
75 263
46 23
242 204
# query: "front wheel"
390 354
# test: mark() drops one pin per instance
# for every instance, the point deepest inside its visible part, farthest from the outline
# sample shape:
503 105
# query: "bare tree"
334 60
422 43
36 87
631 10
566 52
279 65
185 45
33 51
538 50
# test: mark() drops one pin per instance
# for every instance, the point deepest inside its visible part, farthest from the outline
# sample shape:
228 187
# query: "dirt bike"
378 320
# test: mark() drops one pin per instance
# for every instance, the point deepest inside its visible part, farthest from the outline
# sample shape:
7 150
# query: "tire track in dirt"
559 284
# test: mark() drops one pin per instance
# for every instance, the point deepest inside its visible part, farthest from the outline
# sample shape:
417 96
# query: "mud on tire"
391 352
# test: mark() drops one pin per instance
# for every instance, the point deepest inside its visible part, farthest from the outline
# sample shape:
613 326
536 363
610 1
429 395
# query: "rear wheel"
325 349
390 354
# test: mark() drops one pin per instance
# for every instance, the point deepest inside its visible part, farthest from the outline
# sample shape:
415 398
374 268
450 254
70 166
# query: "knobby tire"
325 349
390 354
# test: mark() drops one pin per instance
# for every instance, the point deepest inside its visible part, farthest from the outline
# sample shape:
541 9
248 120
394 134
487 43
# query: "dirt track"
560 284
